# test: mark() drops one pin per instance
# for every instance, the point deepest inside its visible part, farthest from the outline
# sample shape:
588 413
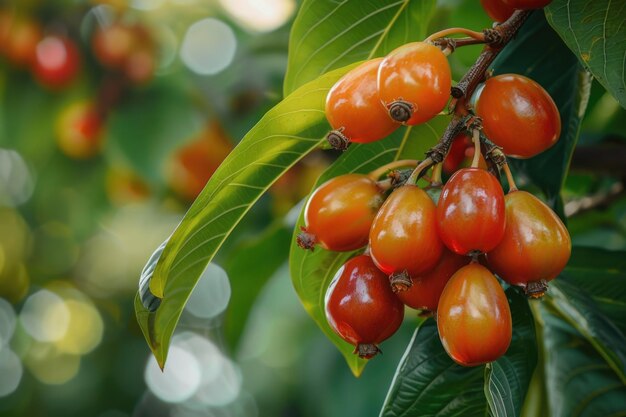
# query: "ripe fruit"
473 317
57 61
456 154
22 40
527 4
470 213
125 48
519 115
426 289
340 212
353 108
79 130
192 165
361 307
403 240
536 245
414 82
497 10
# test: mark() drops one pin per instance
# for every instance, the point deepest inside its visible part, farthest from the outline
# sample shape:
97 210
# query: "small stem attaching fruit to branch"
436 177
419 171
509 177
404 163
451 31
476 140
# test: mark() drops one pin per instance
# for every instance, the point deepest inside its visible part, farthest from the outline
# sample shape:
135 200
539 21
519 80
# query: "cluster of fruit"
127 51
434 248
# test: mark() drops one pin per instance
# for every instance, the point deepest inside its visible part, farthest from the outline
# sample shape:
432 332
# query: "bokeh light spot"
208 47
45 316
260 15
51 366
211 295
10 370
180 378
7 322
85 328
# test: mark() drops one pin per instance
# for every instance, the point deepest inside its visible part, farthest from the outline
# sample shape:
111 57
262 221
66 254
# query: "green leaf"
311 272
580 383
328 34
288 132
249 267
595 32
538 53
582 313
429 383
608 269
507 379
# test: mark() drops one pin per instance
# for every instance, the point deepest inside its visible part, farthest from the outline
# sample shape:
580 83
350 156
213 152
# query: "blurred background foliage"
98 163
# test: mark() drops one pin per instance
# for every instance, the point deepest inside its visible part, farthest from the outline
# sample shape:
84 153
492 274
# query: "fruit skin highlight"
414 82
404 238
470 212
536 244
518 115
360 306
473 317
340 212
353 107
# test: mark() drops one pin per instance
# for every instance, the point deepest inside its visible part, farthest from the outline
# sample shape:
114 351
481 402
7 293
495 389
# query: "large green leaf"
282 137
608 269
538 53
583 314
507 379
311 272
429 383
595 32
579 381
329 34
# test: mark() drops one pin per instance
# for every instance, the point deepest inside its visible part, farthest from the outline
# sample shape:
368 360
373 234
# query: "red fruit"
414 82
361 307
497 10
536 244
473 317
340 212
426 289
527 4
456 154
403 238
353 108
470 213
57 61
79 130
519 115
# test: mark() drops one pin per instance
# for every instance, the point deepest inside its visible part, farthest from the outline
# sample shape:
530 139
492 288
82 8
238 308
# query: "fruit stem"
378 172
509 177
436 177
476 140
419 170
450 31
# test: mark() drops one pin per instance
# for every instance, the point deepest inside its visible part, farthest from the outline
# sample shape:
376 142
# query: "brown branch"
496 39
604 158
